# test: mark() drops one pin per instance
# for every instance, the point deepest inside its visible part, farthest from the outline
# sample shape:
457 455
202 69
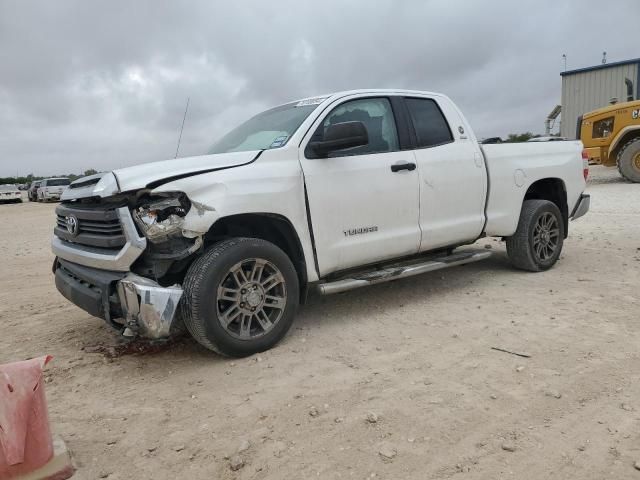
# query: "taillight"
585 164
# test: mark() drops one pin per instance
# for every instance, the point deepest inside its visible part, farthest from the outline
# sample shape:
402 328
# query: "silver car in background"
52 188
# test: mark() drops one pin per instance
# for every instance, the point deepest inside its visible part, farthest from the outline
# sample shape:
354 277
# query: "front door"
364 201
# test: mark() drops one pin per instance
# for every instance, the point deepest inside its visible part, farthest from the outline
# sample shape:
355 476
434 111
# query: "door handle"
403 166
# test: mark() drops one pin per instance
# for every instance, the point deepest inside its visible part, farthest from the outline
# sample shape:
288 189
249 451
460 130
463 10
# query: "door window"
376 115
430 125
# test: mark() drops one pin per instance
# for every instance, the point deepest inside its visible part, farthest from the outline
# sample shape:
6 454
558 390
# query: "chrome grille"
107 227
96 227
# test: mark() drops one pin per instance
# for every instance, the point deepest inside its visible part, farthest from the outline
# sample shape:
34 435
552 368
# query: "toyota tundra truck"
326 194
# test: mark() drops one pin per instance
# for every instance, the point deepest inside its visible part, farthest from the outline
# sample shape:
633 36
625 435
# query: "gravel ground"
396 381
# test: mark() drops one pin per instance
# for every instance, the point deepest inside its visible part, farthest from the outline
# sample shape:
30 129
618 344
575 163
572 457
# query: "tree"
520 137
91 171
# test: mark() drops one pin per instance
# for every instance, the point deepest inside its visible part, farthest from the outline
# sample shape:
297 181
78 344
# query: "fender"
617 139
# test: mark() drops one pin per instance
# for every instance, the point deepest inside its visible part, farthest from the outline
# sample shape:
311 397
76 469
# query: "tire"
214 293
533 247
628 160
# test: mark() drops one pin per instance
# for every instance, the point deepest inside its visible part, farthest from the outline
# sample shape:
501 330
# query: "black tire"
522 248
200 304
628 160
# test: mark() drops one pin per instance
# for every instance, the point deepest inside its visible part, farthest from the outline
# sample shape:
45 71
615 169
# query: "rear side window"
429 122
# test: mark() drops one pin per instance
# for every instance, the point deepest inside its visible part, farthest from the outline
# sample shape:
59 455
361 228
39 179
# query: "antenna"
604 57
182 128
564 57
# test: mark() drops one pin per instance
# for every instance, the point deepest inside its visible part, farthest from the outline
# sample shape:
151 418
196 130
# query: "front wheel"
538 240
240 297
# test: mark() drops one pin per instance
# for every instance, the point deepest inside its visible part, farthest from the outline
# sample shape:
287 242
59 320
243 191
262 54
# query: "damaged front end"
124 259
149 310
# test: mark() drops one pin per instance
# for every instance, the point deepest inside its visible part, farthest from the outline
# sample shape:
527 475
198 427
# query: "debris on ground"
244 446
553 393
137 346
387 452
372 417
236 462
508 447
524 355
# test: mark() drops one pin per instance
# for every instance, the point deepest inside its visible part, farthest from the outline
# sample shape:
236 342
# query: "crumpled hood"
153 174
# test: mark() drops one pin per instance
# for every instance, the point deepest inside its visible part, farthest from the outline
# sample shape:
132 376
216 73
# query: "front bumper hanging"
147 308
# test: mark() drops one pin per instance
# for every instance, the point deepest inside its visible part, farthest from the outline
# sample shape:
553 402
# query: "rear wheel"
537 243
628 160
240 297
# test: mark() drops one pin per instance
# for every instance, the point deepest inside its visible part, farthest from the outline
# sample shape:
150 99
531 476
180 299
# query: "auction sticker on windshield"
311 101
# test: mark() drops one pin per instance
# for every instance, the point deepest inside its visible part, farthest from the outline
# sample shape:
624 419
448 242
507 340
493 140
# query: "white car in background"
52 188
10 193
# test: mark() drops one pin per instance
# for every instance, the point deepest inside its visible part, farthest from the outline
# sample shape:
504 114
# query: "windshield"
270 129
8 187
57 182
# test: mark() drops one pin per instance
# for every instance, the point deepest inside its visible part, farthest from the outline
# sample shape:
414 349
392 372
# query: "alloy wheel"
546 235
251 298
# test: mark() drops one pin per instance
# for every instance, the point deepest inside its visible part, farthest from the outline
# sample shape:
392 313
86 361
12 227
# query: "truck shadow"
325 310
386 296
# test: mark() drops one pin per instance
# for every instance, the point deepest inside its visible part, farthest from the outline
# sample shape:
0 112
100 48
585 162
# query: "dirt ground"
396 381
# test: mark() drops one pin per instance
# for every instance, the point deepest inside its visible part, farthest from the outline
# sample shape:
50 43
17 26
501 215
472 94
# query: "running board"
362 279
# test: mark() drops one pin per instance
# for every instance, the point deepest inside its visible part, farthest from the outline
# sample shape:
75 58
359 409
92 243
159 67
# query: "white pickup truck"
331 193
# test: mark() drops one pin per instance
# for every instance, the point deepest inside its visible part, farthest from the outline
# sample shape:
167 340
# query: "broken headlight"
161 218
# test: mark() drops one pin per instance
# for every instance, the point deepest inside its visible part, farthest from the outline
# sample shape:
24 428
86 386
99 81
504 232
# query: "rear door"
363 201
453 178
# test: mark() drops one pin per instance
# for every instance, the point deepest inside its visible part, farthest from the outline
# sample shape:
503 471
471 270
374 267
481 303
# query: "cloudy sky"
103 84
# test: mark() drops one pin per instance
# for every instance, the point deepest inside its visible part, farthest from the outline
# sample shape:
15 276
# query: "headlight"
160 218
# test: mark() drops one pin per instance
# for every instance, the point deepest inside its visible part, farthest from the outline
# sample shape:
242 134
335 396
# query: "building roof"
601 66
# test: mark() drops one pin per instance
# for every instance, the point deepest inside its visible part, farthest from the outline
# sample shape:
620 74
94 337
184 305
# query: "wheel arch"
274 228
553 190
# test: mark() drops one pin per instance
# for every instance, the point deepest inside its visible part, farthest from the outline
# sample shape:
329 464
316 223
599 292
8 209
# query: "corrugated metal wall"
586 91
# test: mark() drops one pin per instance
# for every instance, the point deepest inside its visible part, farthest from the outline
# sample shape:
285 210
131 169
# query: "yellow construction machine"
611 137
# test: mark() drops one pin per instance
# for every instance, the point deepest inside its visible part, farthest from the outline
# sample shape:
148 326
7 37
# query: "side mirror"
341 136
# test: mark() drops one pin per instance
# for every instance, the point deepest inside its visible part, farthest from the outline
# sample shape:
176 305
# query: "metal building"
586 89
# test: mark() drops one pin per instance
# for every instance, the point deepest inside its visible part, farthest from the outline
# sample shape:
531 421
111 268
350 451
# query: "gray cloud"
97 84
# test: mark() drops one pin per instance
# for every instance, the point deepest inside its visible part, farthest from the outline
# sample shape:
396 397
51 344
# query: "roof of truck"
345 93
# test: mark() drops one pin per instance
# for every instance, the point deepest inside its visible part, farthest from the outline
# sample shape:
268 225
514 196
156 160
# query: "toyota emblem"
72 225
